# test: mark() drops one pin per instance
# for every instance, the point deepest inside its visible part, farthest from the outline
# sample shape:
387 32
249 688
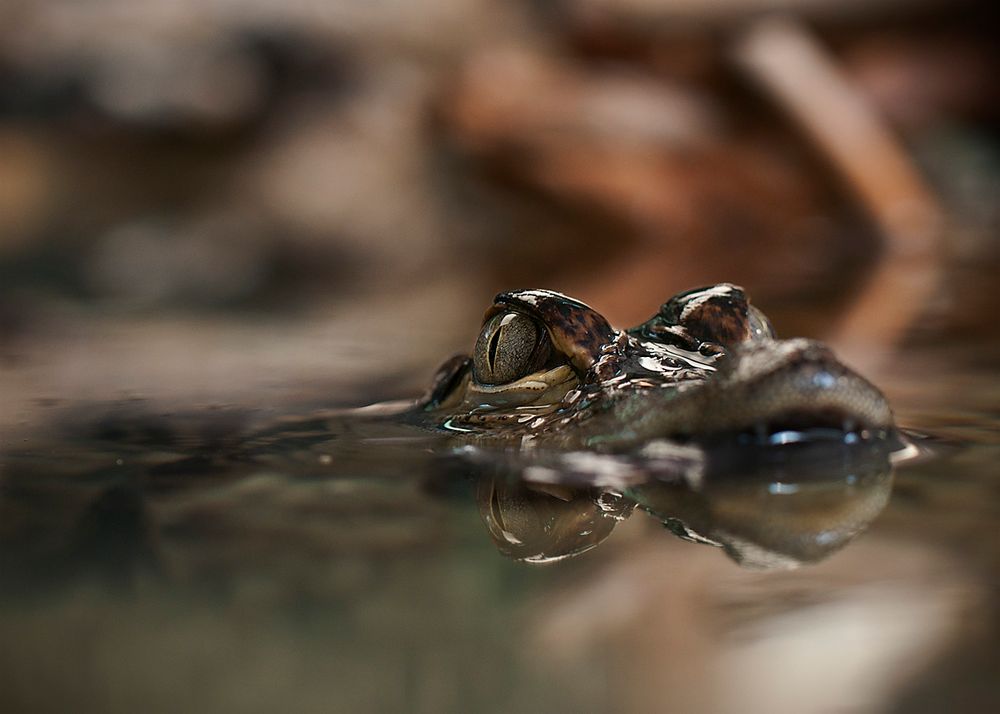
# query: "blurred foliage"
184 185
256 154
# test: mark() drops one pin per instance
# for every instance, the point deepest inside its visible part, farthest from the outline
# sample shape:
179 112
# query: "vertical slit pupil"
491 354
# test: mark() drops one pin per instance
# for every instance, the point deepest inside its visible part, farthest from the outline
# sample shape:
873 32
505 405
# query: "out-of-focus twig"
784 58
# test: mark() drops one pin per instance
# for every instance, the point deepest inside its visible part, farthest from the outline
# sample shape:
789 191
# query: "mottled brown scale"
707 363
576 330
718 314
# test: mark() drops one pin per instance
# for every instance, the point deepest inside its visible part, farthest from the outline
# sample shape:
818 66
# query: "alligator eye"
511 346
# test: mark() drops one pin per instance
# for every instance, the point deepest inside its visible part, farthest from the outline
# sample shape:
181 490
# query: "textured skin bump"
576 329
719 314
706 364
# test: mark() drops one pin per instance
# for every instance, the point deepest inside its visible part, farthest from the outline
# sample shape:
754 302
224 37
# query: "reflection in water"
346 560
542 523
298 494
766 508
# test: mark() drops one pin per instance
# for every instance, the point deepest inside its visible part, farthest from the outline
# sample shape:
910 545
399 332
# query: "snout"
791 384
771 391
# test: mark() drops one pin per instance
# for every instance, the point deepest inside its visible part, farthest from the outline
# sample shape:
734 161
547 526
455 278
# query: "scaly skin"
706 365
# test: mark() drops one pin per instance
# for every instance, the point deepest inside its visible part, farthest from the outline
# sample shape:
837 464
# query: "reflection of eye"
510 346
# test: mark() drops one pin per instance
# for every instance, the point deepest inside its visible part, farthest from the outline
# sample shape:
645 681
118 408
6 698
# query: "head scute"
576 330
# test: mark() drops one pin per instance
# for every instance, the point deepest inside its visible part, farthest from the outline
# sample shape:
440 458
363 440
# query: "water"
332 563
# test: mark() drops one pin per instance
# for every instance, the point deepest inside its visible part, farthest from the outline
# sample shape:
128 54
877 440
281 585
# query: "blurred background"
247 201
256 206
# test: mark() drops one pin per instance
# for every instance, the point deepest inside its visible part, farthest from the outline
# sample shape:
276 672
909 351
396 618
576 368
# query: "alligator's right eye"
510 346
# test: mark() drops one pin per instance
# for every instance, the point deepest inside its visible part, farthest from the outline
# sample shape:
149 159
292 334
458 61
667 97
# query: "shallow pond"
323 562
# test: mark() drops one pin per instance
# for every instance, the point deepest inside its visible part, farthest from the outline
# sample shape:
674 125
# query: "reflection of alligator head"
542 523
773 510
551 370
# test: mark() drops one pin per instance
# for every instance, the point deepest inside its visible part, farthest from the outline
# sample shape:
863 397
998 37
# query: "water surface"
316 562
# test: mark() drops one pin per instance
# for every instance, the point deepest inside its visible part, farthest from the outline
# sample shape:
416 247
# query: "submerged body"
550 370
